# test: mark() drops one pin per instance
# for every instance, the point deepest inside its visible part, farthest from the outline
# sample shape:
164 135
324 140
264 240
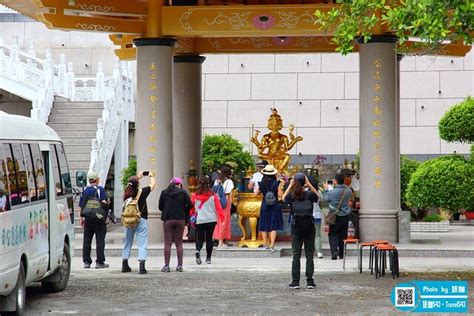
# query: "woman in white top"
222 232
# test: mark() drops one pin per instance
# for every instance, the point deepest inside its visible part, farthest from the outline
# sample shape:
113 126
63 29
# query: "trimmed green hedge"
220 149
457 124
407 168
444 182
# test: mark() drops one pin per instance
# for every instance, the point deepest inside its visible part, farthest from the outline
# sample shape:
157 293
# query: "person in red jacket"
206 212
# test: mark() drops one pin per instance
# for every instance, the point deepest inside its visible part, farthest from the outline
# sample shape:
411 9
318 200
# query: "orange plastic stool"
349 241
370 244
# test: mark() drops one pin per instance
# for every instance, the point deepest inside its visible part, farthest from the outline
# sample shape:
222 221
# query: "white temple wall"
318 93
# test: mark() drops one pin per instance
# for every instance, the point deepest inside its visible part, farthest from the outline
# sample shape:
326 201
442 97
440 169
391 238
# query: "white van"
36 210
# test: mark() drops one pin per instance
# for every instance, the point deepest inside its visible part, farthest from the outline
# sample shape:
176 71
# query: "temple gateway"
168 38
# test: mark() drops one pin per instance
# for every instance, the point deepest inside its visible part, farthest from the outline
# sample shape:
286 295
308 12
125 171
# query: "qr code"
405 296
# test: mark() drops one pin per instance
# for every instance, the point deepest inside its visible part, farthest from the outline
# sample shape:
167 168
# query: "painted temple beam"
242 21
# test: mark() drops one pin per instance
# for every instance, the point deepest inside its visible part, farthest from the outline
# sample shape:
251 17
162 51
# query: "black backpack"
270 198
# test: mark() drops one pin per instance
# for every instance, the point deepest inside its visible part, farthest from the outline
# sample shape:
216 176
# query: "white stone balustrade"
40 80
27 76
118 102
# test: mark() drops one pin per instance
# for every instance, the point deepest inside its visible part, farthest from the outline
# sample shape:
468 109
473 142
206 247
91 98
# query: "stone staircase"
76 125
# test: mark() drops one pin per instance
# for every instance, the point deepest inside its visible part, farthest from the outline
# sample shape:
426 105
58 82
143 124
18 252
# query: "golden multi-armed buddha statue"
274 146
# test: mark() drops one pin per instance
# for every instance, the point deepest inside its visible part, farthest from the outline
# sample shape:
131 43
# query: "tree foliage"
457 124
432 21
444 182
407 168
130 170
220 149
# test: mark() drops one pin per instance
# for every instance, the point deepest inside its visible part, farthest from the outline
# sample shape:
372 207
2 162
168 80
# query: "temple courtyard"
244 286
253 282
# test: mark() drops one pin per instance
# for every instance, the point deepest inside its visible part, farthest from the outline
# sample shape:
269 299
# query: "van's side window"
31 173
16 171
4 192
39 171
56 174
63 168
21 174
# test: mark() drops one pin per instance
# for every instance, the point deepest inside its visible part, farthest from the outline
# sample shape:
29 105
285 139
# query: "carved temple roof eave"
200 29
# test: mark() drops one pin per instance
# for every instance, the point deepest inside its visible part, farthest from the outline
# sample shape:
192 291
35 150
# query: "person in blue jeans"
141 230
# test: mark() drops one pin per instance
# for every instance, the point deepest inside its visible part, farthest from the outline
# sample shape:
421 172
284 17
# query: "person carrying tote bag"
337 217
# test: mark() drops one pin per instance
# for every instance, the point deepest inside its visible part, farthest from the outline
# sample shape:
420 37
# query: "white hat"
269 170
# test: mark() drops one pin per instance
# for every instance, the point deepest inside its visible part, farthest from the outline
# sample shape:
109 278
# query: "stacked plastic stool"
371 245
380 260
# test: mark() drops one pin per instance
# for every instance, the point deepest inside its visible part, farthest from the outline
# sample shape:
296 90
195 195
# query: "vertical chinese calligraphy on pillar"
378 110
153 129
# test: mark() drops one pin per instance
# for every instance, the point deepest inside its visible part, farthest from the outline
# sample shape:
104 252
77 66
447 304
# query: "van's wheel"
62 273
19 293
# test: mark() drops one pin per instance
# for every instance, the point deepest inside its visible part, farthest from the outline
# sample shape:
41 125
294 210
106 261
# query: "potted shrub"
220 149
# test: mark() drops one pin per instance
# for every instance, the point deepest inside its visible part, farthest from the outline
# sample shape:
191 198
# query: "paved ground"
245 286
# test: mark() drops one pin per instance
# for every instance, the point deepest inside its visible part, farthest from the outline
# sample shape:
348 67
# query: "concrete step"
81 104
77 141
77 149
78 165
74 126
67 133
113 248
73 117
84 156
72 111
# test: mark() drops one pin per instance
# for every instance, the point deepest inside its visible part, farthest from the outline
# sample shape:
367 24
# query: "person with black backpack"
93 210
271 217
302 203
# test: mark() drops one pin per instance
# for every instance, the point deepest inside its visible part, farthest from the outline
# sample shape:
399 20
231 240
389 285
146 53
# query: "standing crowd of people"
208 210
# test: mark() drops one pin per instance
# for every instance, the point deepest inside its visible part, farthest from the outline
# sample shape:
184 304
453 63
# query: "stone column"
187 121
404 217
379 130
153 133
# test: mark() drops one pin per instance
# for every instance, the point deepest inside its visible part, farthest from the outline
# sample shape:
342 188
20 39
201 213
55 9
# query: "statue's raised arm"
293 139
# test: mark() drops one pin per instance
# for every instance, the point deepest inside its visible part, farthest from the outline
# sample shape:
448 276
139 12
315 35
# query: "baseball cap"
300 177
92 176
176 180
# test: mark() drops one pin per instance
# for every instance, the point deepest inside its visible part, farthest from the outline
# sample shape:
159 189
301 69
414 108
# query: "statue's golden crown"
275 114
